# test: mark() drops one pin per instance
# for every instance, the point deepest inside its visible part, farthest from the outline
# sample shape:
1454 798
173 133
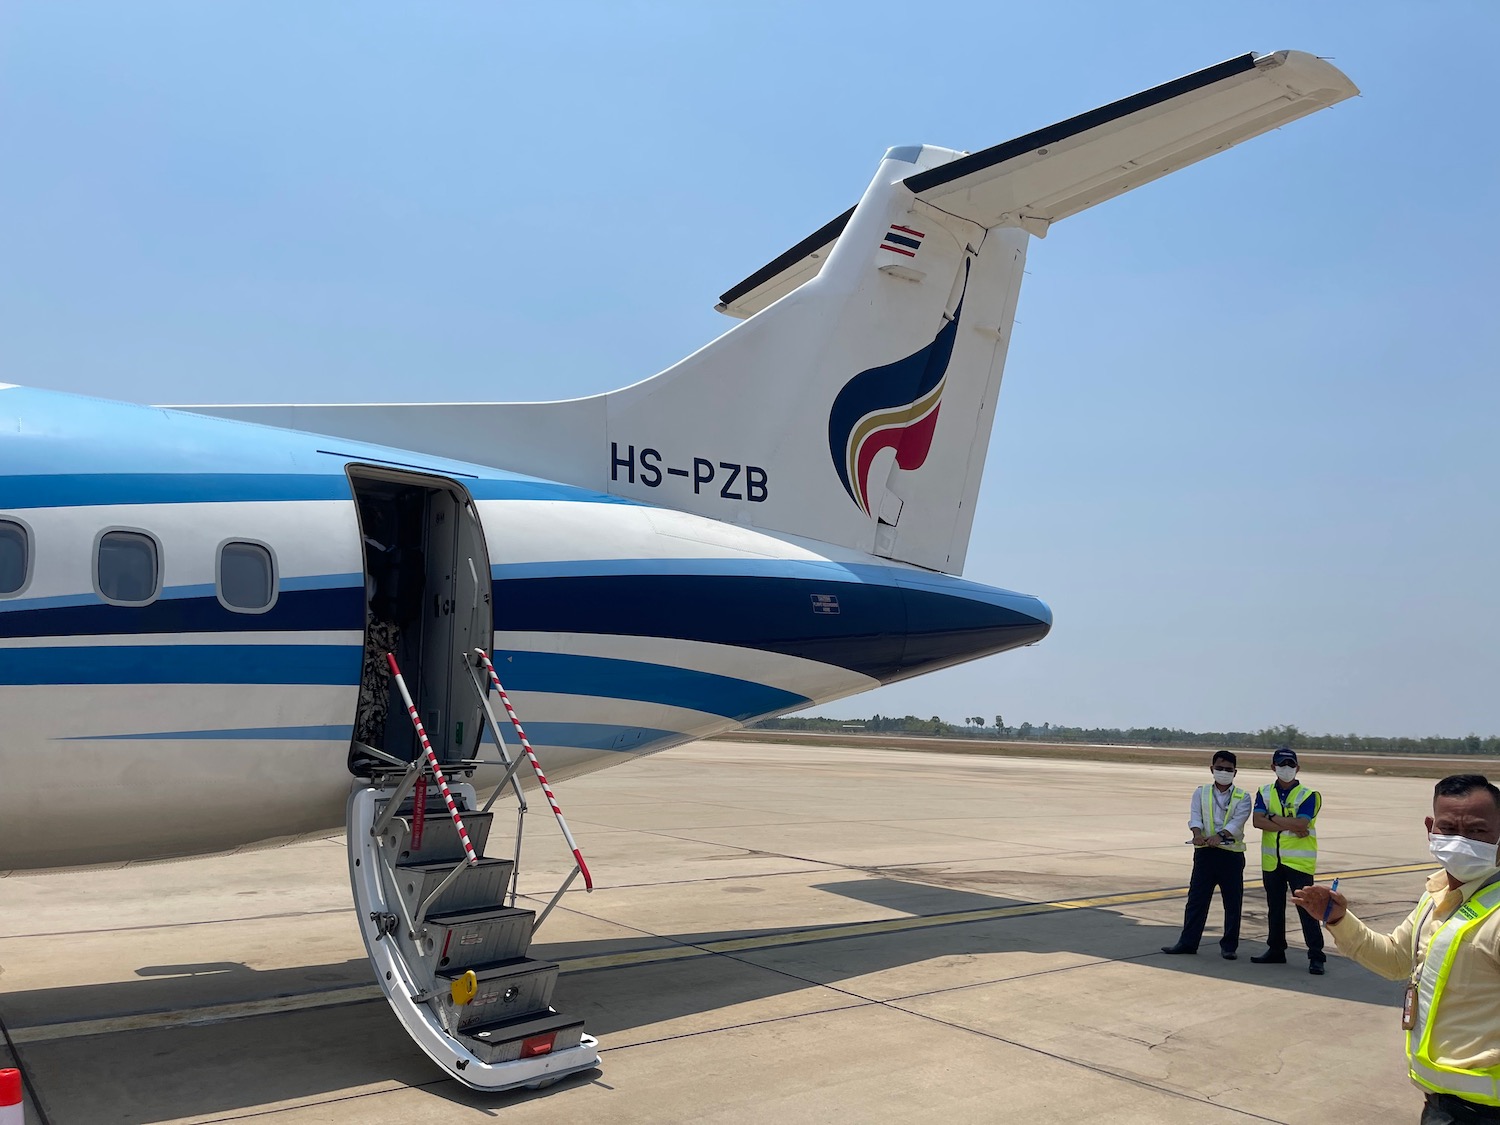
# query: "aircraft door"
428 601
459 620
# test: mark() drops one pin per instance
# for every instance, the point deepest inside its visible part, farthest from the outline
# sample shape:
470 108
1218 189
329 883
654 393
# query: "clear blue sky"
1246 444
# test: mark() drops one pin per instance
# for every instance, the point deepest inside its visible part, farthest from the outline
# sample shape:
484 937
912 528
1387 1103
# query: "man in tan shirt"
1452 1009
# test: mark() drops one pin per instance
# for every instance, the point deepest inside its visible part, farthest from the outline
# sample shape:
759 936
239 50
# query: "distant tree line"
980 727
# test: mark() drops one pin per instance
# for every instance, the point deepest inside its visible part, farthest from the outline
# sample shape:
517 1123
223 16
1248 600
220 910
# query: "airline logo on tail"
890 407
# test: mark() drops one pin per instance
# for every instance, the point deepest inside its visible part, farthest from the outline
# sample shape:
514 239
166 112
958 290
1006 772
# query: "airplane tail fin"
853 404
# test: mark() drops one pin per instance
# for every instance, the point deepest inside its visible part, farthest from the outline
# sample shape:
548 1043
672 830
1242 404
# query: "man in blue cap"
1286 812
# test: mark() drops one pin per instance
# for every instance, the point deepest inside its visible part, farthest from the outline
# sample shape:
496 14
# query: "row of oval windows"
127 569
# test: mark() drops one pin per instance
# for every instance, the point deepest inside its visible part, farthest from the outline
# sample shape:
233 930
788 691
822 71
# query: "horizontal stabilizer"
1035 180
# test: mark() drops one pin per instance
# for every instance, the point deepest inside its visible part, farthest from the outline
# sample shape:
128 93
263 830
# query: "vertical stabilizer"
853 404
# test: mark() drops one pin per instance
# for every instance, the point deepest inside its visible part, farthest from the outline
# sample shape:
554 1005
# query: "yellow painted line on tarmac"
922 922
187 1017
220 1013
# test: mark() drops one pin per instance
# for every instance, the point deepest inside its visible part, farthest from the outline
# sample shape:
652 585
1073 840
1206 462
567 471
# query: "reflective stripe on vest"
1482 1086
1300 853
1206 813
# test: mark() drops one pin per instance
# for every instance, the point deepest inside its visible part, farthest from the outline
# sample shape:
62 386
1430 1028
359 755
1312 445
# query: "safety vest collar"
1481 1086
1278 805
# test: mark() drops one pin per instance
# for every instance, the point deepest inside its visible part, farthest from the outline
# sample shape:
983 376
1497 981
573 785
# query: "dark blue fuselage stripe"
884 632
341 607
183 664
648 683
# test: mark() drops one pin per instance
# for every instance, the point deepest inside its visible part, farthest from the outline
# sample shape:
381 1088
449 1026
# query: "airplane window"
126 568
247 577
15 557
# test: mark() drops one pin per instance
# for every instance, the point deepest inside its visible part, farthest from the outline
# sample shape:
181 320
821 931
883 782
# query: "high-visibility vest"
1482 1086
1212 827
1300 853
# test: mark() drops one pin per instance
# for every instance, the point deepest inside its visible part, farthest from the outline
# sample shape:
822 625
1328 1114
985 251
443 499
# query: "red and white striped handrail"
437 770
484 658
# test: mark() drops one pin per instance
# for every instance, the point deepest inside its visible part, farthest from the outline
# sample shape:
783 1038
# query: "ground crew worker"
1448 951
1217 818
1287 815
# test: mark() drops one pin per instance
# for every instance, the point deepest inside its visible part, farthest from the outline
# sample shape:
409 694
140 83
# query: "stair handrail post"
408 779
481 688
432 762
588 880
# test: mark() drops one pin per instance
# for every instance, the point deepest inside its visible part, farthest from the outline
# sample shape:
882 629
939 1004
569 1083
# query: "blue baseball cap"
1284 755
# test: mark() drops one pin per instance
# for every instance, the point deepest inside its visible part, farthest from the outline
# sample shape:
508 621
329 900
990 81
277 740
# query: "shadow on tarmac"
220 1068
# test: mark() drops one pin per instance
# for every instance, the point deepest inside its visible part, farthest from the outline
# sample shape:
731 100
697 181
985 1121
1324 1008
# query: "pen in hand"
1327 910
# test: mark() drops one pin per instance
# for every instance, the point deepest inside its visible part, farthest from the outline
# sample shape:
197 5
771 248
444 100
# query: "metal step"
522 1037
476 888
467 938
507 989
440 842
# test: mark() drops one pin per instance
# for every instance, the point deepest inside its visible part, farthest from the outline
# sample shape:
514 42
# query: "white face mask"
1463 858
1286 773
1224 777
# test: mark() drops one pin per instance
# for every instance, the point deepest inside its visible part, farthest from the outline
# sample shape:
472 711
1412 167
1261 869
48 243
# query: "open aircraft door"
438 914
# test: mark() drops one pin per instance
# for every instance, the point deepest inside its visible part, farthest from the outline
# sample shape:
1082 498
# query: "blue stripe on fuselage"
318 609
327 732
599 736
882 631
182 664
578 736
74 490
661 684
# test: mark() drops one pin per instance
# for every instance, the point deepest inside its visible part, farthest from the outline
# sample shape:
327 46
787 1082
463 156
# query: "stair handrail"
432 763
588 880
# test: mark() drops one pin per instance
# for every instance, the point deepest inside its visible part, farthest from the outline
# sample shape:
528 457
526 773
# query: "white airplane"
196 602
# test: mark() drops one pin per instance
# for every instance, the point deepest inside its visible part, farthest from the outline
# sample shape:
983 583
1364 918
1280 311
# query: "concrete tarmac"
788 934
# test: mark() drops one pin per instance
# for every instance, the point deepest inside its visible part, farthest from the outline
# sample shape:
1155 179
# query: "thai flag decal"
903 240
890 407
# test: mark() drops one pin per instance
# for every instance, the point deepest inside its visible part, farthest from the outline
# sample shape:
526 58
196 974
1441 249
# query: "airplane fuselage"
170 722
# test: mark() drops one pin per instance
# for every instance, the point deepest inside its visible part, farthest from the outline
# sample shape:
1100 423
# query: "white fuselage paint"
145 733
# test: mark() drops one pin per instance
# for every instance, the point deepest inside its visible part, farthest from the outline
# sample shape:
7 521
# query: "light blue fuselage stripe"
599 736
548 672
329 732
74 490
577 736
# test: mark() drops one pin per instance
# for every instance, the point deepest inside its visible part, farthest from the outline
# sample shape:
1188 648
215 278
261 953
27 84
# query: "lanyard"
1213 808
1418 950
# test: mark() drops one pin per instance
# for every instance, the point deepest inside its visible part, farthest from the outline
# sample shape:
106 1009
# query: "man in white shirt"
1217 820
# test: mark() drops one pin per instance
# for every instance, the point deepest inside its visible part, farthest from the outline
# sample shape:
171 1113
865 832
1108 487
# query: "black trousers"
1445 1109
1278 884
1214 867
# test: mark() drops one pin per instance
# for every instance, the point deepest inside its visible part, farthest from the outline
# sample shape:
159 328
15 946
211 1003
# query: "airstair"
450 947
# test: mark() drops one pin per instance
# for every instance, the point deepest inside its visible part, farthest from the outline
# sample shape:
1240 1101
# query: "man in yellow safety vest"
1448 951
1217 819
1287 815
